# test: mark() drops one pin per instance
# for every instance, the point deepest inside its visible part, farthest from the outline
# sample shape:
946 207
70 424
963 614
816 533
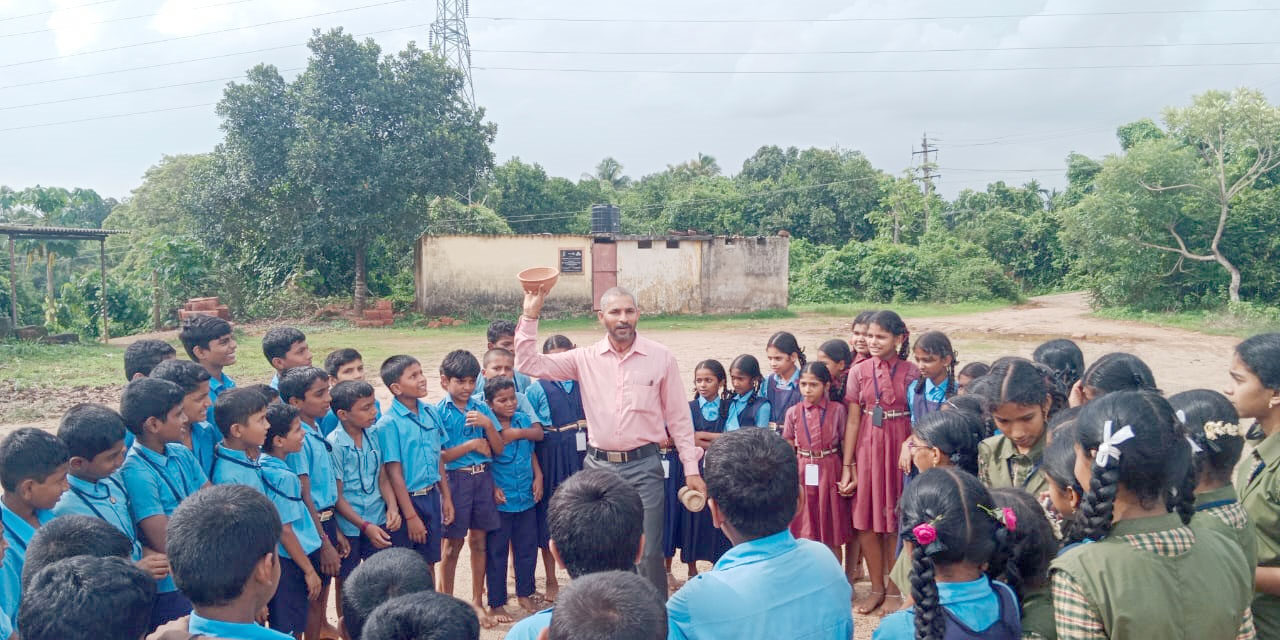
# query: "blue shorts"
361 549
288 608
428 508
168 607
473 504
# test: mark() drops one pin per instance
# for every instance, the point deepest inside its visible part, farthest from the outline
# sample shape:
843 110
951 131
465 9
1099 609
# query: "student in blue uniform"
518 483
33 473
285 348
158 474
610 604
241 414
194 381
562 449
501 334
411 437
472 439
342 365
209 343
748 407
786 358
500 363
392 573
300 585
141 356
222 547
699 538
88 598
365 501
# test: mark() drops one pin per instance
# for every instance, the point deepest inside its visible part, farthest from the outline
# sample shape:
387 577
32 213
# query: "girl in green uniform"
1064 491
1031 547
1254 389
1019 403
1142 572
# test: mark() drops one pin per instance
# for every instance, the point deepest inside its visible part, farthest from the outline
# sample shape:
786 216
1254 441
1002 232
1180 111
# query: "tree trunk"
1233 291
48 274
896 225
361 290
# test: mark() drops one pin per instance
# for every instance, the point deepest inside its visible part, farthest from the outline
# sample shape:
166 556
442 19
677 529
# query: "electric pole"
449 40
926 173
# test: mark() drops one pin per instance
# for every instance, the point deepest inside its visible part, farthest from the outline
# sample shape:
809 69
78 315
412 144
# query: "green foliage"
80 309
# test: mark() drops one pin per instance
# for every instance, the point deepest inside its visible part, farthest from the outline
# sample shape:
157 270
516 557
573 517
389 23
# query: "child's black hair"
1064 358
892 322
89 429
752 476
863 317
749 366
393 368
148 398
87 598
1119 372
1059 466
200 330
235 407
1059 396
818 370
30 454
974 370
959 509
280 417
596 520
838 350
343 396
497 352
1219 452
786 343
1153 464
955 433
618 605
1031 544
424 615
339 359
459 364
384 575
976 407
277 342
264 390
1261 353
499 328
215 539
184 373
143 356
295 381
500 383
936 343
716 370
556 341
73 535
1016 381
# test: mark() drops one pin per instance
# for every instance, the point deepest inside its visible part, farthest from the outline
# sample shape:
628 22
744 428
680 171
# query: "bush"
80 308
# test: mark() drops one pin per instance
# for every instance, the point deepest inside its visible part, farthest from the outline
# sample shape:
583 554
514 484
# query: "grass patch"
1219 322
906 309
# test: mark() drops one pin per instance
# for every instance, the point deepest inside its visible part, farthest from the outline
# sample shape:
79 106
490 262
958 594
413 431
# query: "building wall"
745 274
462 273
663 279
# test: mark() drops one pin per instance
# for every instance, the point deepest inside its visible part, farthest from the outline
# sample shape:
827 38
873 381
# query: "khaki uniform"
1259 482
1000 465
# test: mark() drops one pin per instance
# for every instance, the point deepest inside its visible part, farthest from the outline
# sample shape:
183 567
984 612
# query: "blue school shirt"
974 603
414 440
358 468
330 420
771 587
216 387
235 467
530 628
457 431
156 483
6 627
935 393
315 461
204 437
537 397
104 500
513 470
523 405
197 625
275 383
739 402
285 491
17 532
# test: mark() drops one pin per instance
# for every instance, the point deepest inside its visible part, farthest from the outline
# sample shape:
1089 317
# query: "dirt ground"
1180 359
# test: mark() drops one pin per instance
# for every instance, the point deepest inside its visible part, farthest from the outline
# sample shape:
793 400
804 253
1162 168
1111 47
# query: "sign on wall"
571 261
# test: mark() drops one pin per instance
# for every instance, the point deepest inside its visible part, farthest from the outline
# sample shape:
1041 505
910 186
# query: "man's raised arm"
531 361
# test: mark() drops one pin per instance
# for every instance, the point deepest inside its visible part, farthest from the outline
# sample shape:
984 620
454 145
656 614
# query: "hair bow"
1195 447
1181 415
1110 448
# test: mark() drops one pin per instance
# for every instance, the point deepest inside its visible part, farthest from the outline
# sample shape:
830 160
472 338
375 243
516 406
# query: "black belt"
617 457
473 469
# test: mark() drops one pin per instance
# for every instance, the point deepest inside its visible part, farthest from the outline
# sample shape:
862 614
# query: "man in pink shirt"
633 398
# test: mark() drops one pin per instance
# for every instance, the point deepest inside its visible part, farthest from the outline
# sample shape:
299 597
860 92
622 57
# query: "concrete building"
455 274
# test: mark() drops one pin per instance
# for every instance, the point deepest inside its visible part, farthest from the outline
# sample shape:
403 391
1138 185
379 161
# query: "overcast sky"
988 125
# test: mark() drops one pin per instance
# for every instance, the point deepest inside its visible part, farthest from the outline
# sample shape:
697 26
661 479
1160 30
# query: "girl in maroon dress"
838 358
815 427
859 341
879 423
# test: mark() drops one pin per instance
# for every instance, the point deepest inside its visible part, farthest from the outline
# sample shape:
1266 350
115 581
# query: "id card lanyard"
811 468
877 414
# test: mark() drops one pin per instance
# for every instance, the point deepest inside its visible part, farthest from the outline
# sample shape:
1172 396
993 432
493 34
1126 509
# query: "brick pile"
204 307
380 315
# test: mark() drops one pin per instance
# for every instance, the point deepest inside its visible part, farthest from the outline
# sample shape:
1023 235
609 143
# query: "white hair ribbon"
1195 448
1110 447
1182 416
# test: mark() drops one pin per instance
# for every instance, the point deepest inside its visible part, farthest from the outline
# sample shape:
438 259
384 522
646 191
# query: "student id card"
811 475
581 437
666 468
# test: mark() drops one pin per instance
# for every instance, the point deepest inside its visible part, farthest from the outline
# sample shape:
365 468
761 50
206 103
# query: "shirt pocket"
641 398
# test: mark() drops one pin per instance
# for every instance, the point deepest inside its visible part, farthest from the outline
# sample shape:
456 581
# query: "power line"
1189 65
876 51
138 90
43 13
123 19
201 34
1136 12
107 117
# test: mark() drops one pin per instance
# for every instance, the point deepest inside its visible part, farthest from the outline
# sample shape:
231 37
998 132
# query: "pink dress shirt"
630 399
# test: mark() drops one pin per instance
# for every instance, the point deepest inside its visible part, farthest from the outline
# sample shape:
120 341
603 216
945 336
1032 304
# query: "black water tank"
606 218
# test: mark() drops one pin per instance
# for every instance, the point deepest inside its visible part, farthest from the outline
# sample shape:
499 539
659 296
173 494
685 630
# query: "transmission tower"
449 39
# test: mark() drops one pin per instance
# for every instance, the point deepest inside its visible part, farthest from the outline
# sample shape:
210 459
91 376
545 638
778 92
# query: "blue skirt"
699 539
559 458
671 516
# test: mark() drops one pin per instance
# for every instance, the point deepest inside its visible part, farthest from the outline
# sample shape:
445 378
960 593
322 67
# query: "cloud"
74 27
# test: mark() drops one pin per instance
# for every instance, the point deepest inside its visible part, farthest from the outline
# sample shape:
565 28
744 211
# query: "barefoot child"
785 359
1019 406
815 427
472 439
518 483
879 423
748 407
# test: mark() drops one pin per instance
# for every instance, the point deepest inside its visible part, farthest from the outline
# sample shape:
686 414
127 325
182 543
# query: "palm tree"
704 165
609 171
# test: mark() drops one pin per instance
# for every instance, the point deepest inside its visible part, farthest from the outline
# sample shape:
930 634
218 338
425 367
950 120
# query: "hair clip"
1218 429
1110 448
1003 515
1181 415
925 535
1195 447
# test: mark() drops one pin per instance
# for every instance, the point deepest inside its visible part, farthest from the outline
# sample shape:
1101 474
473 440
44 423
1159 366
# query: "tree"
609 171
532 202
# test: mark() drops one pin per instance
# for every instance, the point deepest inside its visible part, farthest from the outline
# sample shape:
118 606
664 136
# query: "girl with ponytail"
786 358
1140 558
959 541
1032 546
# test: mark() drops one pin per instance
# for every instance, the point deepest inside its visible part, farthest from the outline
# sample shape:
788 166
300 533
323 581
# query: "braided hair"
1219 453
557 341
1031 544
955 433
1059 466
1152 463
892 322
716 370
1064 358
937 343
1118 372
955 508
838 351
747 365
785 342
